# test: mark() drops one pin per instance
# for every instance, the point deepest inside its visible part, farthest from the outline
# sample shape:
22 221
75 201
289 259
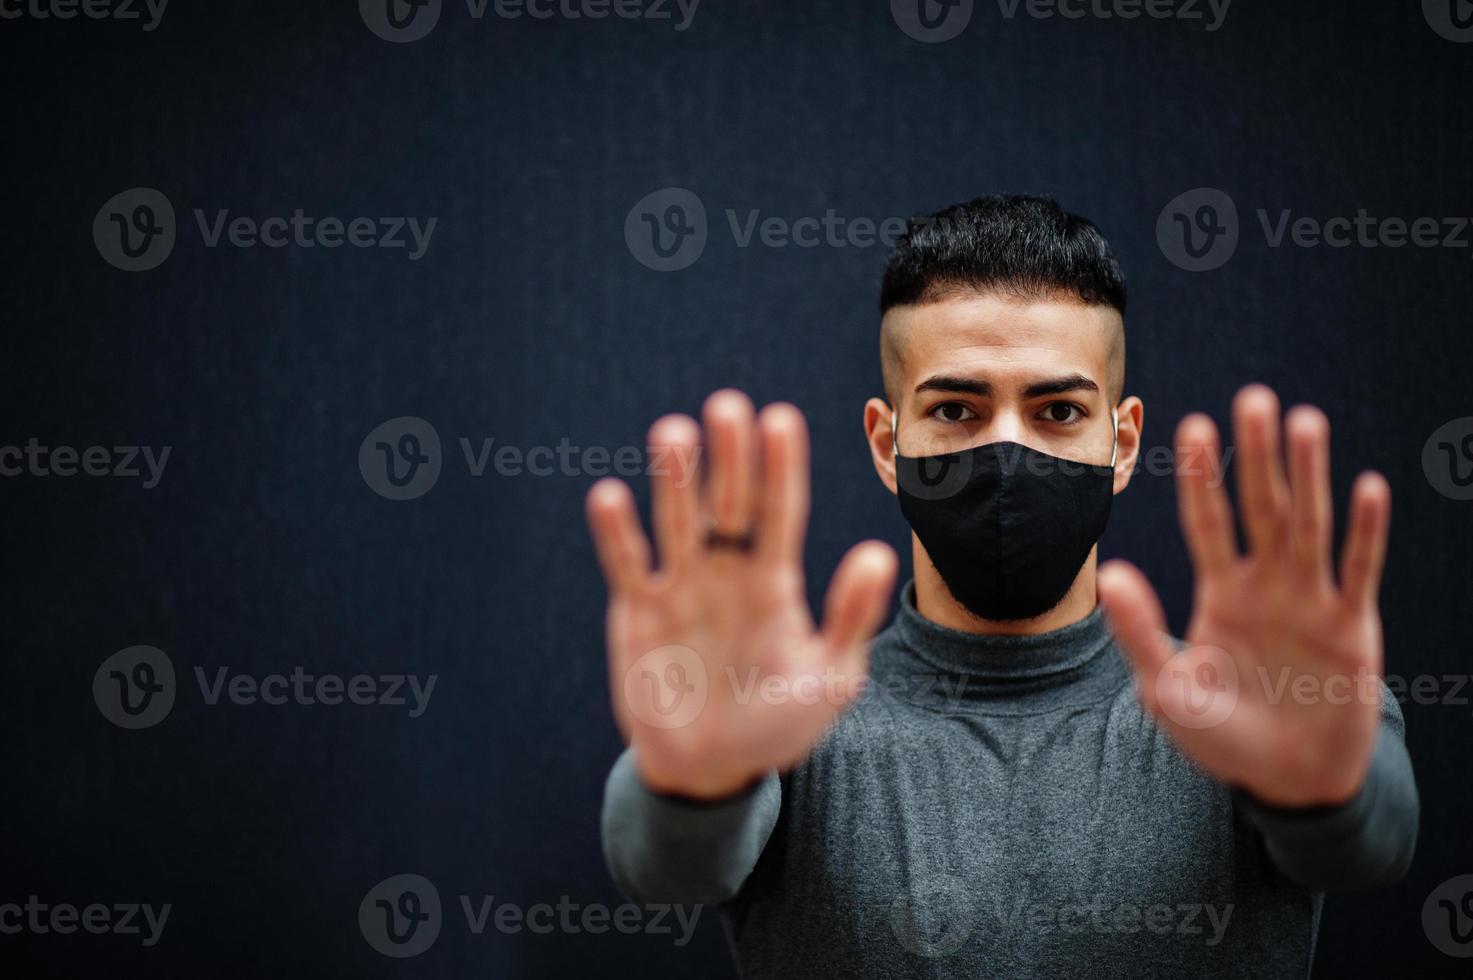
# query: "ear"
1131 414
879 430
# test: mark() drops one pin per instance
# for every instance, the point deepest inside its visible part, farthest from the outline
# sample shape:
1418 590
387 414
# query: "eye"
953 412
1062 413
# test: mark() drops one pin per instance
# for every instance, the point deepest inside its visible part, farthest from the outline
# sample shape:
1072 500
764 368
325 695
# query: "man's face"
989 368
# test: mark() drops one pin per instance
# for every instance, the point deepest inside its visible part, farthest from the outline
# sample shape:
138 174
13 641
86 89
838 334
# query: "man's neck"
935 602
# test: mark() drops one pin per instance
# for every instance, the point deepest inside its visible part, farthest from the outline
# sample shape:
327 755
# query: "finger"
728 418
783 435
858 598
1309 481
674 442
616 624
1206 516
1365 540
623 550
1138 624
1262 492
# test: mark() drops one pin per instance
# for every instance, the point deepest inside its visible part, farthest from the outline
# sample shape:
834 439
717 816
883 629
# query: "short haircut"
1018 245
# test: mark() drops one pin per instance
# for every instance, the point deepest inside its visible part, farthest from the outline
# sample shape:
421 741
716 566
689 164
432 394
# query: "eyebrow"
974 386
961 386
1058 386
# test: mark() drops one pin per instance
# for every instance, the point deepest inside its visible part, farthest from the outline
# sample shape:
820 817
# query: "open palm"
1277 690
716 669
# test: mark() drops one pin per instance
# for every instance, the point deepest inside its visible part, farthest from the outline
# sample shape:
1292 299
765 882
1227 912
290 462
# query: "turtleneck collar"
925 662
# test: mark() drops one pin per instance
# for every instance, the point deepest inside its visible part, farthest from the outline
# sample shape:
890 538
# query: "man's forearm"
669 849
1367 841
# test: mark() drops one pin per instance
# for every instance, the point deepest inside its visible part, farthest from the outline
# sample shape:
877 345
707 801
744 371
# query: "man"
1000 799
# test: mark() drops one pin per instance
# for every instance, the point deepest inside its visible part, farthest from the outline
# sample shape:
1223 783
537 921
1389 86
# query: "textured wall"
529 319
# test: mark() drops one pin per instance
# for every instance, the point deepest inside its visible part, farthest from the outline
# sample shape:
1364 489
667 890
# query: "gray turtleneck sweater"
1002 807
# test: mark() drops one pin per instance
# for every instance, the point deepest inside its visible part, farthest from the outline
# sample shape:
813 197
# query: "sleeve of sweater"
668 849
1366 841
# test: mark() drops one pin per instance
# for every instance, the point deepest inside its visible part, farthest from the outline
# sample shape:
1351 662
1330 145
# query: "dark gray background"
529 321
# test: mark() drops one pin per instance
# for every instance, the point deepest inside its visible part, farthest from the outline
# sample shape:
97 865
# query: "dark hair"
1016 243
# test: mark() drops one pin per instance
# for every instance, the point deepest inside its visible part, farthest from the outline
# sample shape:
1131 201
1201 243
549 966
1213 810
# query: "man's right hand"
716 669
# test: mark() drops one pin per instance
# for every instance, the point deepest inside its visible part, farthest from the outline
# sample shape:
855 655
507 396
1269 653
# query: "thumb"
857 601
1139 624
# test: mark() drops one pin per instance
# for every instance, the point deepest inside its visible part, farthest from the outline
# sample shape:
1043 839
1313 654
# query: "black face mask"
1007 527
